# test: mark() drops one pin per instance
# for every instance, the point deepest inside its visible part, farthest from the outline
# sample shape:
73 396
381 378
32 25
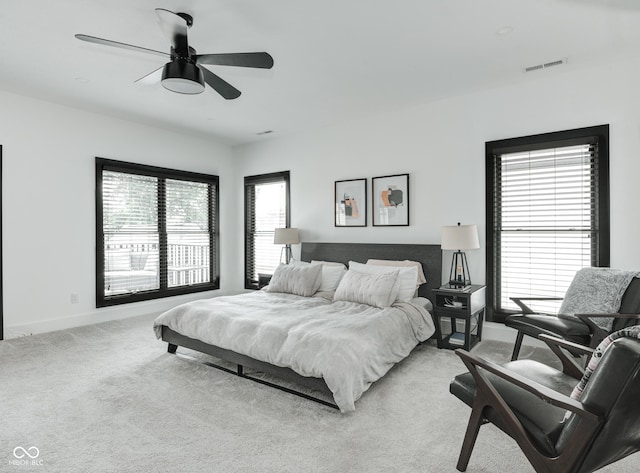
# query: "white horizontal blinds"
130 229
188 233
270 213
266 210
545 220
156 232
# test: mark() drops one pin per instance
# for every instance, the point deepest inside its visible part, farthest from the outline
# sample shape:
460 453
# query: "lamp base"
459 275
454 286
459 284
288 254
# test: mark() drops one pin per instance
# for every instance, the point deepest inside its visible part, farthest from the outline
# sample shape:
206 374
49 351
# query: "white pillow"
378 290
332 273
407 277
328 263
401 264
296 279
296 262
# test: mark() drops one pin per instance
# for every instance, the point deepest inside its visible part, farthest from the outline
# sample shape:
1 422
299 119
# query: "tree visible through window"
156 232
266 208
547 215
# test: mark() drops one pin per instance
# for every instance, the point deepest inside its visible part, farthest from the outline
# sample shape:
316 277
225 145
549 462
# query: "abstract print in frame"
351 203
390 196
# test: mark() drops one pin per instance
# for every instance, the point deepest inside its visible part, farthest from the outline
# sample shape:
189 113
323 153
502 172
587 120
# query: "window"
156 232
266 199
547 214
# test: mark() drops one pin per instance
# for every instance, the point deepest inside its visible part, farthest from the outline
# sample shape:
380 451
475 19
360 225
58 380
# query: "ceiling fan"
184 73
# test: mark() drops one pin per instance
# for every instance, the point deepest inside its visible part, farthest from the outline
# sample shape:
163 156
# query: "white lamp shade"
286 236
460 237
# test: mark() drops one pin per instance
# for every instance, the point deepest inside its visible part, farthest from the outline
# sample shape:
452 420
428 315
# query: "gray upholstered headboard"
429 255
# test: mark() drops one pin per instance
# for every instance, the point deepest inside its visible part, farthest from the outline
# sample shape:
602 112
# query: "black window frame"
600 255
103 164
249 282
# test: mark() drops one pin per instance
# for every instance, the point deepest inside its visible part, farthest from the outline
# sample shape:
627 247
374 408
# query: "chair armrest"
569 365
525 308
555 341
546 394
599 333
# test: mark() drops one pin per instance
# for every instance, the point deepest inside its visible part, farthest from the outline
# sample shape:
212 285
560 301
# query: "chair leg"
470 436
517 345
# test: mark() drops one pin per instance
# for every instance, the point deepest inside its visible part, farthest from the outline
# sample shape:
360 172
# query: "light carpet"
109 398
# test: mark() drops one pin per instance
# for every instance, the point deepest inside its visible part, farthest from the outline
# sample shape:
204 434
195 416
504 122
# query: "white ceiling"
335 60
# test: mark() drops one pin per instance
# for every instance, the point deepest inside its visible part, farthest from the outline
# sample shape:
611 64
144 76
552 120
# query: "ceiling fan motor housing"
182 76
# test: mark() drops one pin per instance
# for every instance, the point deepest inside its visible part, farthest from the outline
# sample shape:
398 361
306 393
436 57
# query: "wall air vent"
546 65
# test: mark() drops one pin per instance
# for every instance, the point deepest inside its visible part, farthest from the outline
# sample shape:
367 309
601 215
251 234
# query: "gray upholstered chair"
528 400
584 326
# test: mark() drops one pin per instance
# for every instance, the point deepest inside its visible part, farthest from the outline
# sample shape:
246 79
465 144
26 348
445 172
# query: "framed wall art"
390 196
351 203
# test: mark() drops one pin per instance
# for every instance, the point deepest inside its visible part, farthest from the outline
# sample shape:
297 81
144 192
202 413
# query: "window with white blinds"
266 208
156 232
547 215
188 232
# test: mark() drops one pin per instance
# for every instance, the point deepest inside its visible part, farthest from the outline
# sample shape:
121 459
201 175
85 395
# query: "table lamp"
458 238
287 237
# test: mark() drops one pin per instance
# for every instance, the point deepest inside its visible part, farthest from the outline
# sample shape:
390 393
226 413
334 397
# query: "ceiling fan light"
182 77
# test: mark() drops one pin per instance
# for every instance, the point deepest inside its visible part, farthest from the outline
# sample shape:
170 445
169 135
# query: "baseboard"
105 315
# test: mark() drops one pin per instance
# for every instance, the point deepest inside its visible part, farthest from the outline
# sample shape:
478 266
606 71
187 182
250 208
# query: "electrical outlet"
75 298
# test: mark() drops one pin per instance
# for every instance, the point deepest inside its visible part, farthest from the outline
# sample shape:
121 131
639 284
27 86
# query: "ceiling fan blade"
221 86
152 78
116 44
175 28
261 60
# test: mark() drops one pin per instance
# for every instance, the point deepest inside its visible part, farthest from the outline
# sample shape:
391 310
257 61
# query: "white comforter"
350 345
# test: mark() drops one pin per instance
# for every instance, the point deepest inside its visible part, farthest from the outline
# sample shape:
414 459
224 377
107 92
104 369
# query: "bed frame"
429 255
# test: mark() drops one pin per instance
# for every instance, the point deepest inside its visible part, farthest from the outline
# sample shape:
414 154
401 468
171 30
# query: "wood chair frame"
597 333
487 396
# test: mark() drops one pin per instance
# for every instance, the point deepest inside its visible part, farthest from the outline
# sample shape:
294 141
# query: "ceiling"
334 60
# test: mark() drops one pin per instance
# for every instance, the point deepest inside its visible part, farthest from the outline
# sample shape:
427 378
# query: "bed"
336 347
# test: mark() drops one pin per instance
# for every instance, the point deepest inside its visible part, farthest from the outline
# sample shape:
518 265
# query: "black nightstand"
460 307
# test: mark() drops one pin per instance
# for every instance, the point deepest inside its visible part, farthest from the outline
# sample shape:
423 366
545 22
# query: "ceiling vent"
546 65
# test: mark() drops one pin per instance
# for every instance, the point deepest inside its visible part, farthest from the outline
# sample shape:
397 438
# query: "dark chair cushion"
571 329
630 305
540 419
613 390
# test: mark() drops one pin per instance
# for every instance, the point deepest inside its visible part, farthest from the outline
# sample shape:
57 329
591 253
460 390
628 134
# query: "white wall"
442 146
49 207
48 179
